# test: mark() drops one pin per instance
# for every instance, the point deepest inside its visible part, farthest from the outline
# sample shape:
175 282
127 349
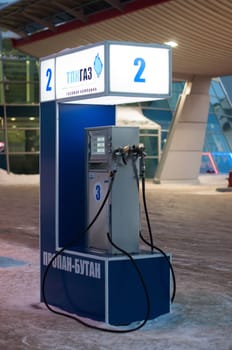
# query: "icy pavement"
193 222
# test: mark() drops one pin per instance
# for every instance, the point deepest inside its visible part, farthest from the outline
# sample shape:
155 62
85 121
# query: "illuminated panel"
80 73
47 80
107 73
140 69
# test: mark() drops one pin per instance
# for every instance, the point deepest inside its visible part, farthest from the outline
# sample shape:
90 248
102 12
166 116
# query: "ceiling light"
171 43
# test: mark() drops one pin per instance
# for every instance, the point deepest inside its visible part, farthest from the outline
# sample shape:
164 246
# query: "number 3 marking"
141 63
49 76
98 192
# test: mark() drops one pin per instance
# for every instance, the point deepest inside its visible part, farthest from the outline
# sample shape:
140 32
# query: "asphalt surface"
193 222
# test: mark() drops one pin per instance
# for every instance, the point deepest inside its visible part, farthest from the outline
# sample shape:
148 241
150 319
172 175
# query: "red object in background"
2 146
230 179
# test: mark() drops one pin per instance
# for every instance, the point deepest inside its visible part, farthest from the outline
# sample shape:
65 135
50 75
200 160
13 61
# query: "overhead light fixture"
171 43
32 118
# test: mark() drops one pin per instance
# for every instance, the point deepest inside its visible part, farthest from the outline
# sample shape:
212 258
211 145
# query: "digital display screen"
98 145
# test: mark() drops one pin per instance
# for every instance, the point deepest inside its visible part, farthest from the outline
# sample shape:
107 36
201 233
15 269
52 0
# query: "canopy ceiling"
202 28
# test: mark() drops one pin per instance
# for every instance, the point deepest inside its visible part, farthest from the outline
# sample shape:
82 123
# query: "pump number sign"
47 84
107 73
136 69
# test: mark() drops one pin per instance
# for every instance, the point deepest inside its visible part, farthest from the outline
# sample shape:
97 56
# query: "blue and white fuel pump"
92 262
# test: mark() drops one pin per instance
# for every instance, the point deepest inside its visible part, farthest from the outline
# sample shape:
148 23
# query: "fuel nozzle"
141 154
135 151
122 152
142 167
139 150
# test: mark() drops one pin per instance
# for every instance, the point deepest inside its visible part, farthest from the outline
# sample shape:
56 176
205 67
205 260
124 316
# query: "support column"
181 157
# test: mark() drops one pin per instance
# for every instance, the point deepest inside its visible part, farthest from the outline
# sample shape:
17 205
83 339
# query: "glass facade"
217 150
218 138
160 112
151 140
19 111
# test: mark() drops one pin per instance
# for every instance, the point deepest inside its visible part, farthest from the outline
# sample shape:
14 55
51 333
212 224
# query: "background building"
216 152
19 110
78 23
19 118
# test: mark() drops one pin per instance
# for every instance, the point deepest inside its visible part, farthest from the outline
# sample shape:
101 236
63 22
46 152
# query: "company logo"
76 76
85 73
98 65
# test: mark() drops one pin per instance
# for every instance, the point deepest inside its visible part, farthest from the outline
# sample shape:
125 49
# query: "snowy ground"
191 221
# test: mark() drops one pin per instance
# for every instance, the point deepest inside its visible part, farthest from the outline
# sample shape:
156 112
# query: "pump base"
108 288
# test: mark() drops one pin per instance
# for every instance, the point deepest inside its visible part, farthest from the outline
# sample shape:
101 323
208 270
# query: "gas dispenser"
112 151
92 264
112 279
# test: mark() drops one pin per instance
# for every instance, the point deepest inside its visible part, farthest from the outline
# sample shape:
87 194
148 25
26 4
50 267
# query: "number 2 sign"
47 81
138 76
139 69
